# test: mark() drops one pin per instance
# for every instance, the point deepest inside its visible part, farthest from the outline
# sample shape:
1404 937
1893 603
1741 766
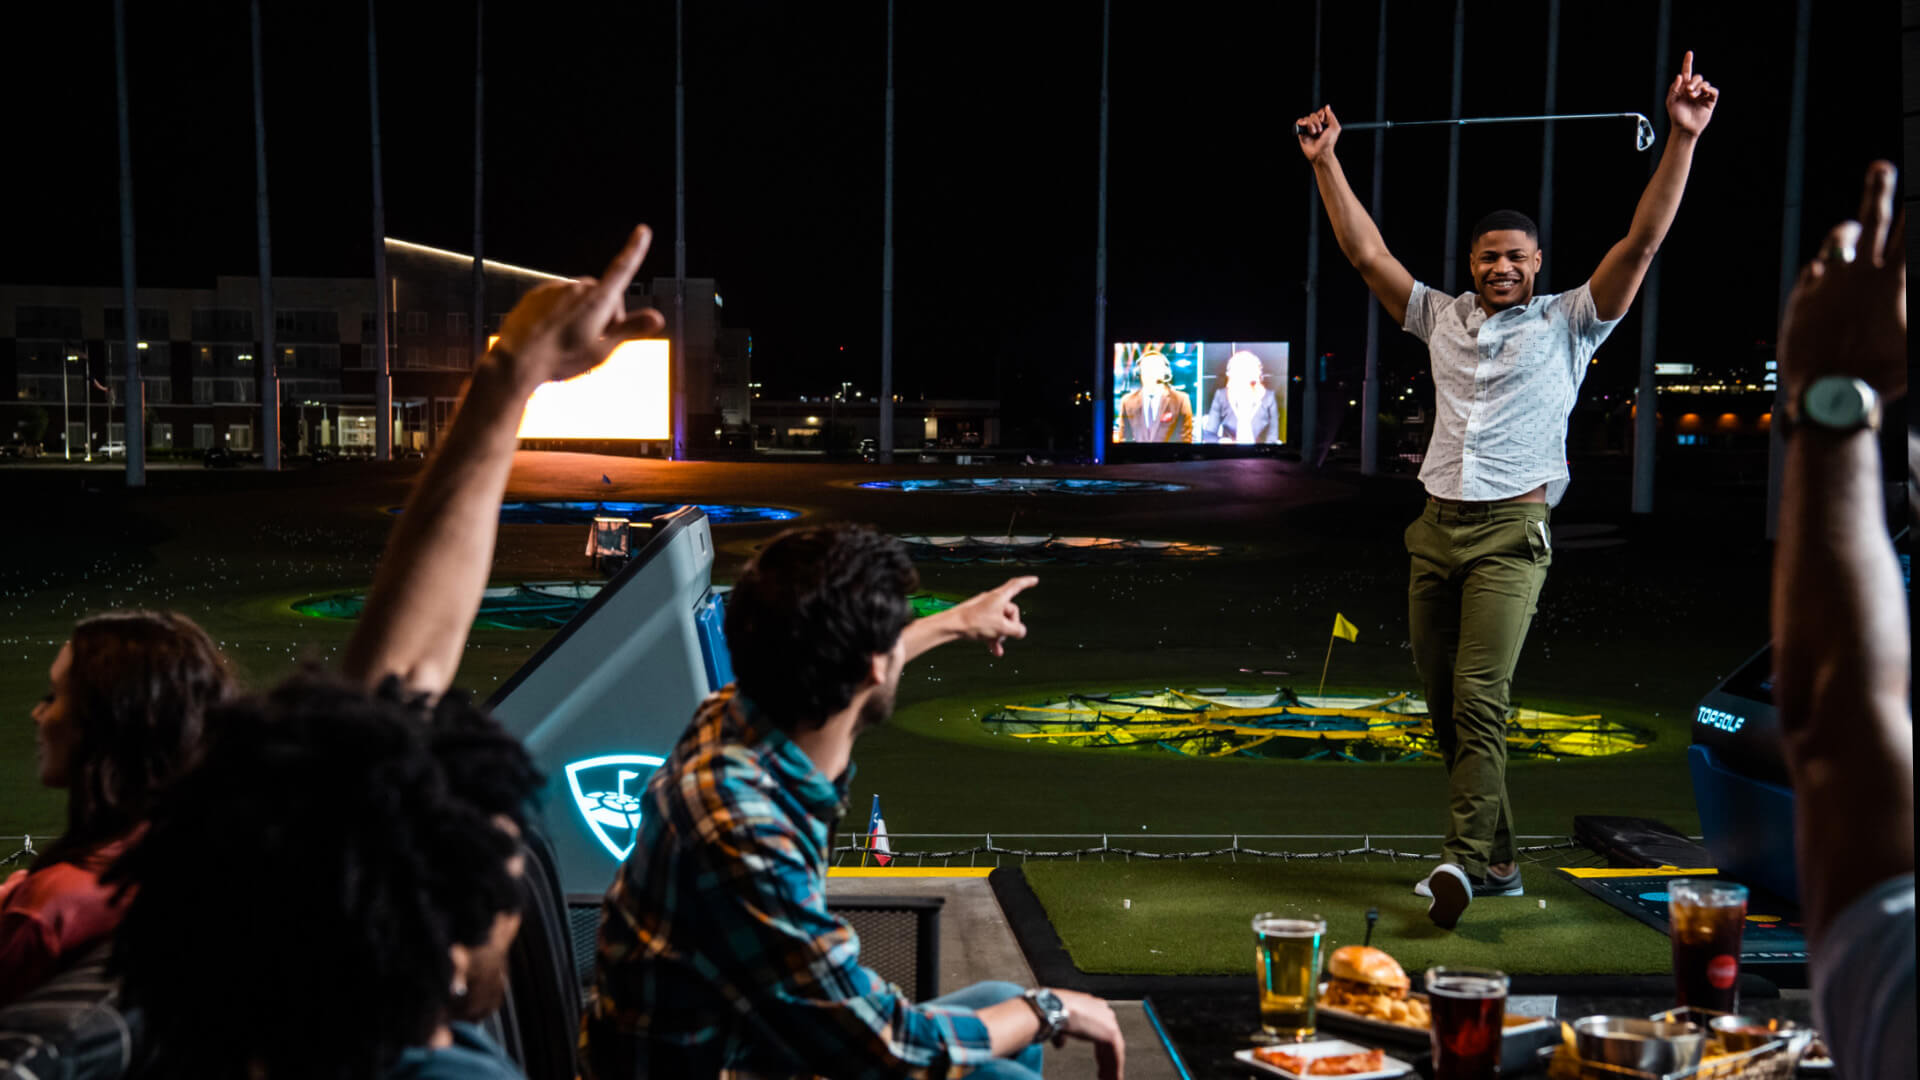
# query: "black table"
1205 1030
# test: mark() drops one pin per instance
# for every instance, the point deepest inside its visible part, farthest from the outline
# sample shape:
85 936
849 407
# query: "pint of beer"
1469 1019
1706 918
1286 959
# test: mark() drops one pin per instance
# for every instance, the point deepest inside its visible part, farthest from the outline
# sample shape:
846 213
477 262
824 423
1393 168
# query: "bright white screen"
624 398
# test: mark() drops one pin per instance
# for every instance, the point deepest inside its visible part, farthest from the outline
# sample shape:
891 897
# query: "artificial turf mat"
1194 918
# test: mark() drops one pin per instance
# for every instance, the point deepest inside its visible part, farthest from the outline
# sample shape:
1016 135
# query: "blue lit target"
607 792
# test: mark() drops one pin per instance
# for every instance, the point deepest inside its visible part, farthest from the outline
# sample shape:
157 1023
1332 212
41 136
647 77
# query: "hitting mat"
1774 938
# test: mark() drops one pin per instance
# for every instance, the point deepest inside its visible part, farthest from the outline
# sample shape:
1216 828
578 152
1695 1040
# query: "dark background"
995 169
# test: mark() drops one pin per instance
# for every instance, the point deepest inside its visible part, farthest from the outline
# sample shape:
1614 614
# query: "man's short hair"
298 892
809 613
1500 220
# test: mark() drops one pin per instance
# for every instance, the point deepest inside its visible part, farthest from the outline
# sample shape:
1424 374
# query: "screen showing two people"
1230 393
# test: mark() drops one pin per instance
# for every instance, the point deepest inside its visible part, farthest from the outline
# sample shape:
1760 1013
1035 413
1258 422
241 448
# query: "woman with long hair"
123 716
1243 410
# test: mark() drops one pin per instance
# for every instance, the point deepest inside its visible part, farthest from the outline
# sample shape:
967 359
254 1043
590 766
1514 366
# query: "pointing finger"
1876 209
1686 64
1015 586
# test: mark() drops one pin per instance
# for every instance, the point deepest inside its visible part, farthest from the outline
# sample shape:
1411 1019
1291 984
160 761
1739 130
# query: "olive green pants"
1477 572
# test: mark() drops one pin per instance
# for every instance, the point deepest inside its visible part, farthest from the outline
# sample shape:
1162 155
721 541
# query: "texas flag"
877 836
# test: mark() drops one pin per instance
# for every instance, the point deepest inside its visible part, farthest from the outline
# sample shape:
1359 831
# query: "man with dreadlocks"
1507 366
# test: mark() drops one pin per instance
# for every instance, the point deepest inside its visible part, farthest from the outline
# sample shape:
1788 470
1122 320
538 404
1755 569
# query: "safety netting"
1216 724
1022 485
1028 550
582 513
533 605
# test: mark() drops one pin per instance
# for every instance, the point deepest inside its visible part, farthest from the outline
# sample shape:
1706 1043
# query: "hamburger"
1369 983
1359 971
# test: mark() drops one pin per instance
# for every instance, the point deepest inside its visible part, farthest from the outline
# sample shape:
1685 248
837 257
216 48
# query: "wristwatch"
1051 1010
1839 403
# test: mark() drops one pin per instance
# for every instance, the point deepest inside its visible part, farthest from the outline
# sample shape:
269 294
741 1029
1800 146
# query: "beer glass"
1286 958
1469 1007
1706 917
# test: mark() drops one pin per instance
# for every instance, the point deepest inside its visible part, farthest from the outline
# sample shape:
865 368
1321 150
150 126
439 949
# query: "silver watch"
1051 1010
1840 403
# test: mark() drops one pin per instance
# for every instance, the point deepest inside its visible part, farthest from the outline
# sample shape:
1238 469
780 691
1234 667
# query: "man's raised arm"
1359 237
435 568
1690 101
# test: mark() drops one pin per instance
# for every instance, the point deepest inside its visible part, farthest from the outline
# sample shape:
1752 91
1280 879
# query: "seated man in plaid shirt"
717 954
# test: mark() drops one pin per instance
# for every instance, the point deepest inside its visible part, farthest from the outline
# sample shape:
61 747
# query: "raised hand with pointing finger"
1690 99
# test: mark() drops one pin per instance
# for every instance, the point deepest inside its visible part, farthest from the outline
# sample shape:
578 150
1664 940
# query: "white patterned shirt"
1504 385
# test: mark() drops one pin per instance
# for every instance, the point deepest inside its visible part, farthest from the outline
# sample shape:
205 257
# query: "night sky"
995 167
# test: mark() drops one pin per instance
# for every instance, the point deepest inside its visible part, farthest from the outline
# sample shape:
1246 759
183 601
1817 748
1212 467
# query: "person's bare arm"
1690 101
1359 238
1012 1025
1841 674
991 617
435 567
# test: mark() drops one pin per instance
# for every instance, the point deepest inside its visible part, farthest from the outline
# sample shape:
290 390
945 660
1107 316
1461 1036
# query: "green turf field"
1194 918
1637 632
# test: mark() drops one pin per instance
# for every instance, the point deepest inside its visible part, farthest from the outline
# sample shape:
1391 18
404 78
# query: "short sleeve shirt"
1863 974
1504 385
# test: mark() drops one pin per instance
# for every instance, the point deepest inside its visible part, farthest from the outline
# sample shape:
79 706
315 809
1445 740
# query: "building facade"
62 369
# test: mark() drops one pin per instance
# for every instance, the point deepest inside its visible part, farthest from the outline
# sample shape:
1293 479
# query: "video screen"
1231 393
624 398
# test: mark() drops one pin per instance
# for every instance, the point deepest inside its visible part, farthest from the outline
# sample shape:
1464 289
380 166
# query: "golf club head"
1643 139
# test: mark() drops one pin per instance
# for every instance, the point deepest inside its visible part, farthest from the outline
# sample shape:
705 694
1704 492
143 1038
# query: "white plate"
1389 1066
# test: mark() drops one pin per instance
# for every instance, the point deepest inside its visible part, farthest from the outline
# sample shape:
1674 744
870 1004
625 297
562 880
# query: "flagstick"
1323 667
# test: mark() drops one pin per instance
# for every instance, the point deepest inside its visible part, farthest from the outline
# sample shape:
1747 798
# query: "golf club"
1642 139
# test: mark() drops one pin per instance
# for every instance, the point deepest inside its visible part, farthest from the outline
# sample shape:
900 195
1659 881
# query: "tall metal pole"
1546 145
382 371
477 346
1789 249
1309 404
679 360
1370 390
1450 272
1646 402
1100 357
886 270
135 440
269 360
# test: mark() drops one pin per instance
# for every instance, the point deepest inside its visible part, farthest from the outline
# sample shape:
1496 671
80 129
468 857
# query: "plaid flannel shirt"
717 954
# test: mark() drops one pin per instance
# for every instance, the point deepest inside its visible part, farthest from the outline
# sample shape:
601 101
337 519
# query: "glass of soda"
1286 959
1707 917
1469 1008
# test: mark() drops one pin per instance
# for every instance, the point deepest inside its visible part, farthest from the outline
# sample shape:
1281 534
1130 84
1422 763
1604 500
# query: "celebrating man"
1506 368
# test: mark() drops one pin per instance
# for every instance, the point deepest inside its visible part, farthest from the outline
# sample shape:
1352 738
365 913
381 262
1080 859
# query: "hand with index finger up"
567 328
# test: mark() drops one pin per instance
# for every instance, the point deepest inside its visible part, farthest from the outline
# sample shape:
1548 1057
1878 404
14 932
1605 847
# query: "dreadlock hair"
138 687
809 612
296 895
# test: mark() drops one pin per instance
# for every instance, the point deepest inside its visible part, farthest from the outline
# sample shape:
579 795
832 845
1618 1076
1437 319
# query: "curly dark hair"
296 895
138 687
809 612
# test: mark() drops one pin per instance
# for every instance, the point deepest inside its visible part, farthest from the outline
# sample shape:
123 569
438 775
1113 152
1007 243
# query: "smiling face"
1504 263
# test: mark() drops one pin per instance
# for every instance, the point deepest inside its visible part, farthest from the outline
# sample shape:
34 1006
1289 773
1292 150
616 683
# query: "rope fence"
904 847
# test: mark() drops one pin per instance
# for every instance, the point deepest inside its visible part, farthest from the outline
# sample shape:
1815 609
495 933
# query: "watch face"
1837 402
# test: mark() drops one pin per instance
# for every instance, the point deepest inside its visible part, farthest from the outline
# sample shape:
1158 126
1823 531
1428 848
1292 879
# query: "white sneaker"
1421 888
1451 891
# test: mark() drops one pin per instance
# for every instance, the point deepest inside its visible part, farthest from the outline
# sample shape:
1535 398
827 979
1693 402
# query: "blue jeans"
1022 1066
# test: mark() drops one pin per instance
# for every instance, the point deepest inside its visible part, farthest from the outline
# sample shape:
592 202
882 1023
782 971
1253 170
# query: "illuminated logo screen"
1725 721
606 791
625 398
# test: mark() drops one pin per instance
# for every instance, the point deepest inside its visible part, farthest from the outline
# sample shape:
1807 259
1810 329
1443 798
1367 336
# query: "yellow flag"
1344 629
